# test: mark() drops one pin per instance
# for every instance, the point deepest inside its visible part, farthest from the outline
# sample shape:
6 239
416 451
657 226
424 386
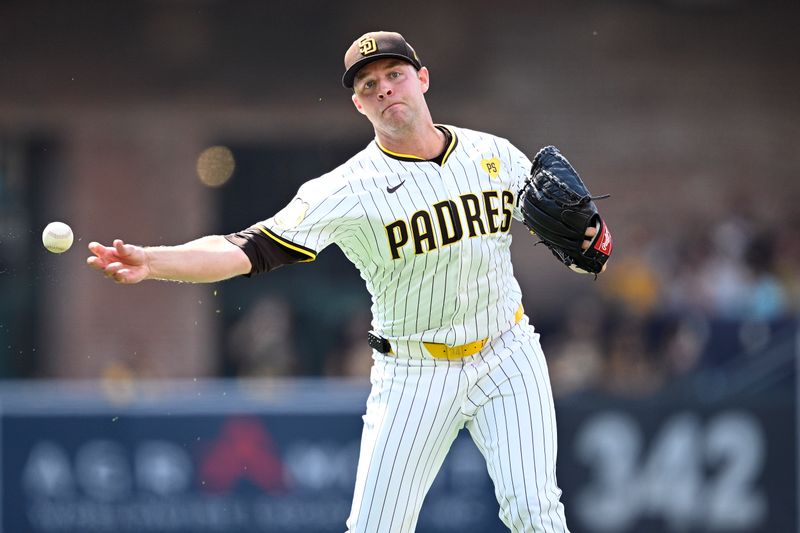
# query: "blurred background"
128 408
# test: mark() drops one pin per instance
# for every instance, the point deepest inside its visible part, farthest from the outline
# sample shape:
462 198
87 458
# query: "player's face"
390 93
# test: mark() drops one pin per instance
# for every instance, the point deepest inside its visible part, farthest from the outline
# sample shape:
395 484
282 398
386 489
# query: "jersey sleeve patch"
491 167
291 215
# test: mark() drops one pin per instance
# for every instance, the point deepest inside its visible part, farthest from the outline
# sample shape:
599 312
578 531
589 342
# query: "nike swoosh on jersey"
390 190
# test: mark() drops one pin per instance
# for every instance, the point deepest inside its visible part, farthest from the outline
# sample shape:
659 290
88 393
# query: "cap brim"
350 74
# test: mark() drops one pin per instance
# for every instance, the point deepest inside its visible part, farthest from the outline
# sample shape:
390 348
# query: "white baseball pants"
415 410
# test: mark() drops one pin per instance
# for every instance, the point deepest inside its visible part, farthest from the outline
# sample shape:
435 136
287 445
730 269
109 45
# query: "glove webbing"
568 190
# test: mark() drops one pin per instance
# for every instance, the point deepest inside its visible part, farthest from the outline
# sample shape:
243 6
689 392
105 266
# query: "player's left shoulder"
493 155
467 135
472 134
483 142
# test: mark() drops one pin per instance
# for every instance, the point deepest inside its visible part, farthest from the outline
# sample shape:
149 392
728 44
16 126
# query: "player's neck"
426 142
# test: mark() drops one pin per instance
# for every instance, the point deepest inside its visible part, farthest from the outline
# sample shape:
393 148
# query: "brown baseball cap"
376 45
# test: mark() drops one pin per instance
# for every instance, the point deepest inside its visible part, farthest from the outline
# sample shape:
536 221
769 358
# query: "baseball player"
424 213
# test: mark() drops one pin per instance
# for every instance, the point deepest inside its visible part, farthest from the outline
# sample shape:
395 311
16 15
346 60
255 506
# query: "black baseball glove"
558 208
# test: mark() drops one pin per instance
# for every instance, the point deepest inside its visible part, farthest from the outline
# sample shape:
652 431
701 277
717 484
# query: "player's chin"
396 115
391 108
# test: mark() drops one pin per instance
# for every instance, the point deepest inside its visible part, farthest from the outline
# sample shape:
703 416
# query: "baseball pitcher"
424 212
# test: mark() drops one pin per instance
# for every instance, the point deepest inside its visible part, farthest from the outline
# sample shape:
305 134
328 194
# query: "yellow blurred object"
632 281
118 383
215 165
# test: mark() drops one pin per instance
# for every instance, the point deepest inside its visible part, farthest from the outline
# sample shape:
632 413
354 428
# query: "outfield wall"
280 456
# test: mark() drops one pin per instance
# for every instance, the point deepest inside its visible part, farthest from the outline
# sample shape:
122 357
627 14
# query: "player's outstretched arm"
204 260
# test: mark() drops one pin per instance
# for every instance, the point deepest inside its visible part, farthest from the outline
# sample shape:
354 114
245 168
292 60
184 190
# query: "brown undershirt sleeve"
264 252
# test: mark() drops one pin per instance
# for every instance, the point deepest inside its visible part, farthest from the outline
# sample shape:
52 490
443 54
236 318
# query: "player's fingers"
112 269
95 262
128 253
122 275
98 249
122 248
128 276
590 234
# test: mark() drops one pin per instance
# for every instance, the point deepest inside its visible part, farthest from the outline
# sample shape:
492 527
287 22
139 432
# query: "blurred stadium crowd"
696 299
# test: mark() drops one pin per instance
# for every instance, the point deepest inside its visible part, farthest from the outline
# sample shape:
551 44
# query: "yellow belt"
443 351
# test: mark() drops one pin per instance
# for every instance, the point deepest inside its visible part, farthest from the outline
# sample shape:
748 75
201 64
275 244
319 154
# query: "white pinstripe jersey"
431 241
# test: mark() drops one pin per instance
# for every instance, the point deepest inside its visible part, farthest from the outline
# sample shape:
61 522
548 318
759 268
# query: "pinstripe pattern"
427 285
417 407
453 294
514 427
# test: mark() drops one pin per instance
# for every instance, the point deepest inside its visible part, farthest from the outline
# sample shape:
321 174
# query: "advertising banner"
669 465
157 470
659 466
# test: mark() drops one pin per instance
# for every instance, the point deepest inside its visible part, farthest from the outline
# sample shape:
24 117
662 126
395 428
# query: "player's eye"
394 74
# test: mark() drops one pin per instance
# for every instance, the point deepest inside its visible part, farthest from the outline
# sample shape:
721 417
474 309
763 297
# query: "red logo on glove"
604 243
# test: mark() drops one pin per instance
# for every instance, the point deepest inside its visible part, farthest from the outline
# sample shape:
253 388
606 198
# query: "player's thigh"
412 419
515 429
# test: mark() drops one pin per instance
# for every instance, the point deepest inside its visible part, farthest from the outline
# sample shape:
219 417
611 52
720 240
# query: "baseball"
57 237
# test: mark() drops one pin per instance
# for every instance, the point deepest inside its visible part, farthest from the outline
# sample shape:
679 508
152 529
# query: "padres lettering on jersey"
478 214
430 240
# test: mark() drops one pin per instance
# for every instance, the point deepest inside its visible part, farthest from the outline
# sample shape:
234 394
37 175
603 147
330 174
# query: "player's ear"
358 104
424 78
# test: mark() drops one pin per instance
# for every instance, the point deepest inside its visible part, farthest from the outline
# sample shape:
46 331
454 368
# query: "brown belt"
440 350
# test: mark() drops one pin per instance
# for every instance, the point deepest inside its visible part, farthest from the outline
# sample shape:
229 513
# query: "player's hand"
124 263
591 231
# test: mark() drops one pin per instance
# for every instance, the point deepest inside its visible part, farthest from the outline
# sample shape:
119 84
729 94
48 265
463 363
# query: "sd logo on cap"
373 46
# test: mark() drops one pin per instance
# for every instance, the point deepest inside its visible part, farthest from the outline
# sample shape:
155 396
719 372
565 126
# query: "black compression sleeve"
265 253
